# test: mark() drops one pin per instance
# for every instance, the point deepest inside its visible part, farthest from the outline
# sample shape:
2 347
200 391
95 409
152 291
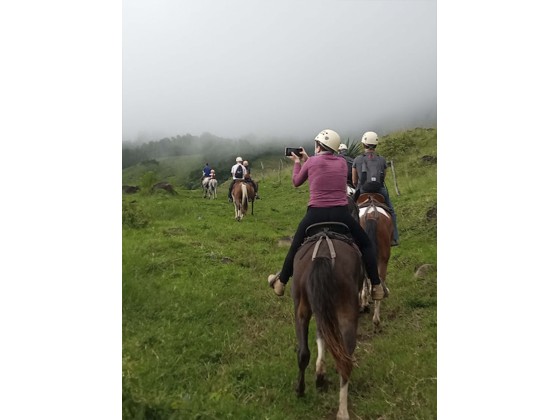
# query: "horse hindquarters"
239 194
328 287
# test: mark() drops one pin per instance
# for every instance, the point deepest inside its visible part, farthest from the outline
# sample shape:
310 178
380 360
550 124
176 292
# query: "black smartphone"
297 151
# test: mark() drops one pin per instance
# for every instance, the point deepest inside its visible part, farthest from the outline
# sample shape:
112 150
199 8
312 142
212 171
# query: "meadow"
204 337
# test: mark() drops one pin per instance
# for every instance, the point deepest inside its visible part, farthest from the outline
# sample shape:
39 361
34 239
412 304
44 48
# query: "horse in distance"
209 187
242 193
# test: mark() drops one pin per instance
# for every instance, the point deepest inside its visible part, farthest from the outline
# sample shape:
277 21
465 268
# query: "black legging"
332 214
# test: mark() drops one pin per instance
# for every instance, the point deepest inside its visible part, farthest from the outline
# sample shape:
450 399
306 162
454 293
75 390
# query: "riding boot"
380 291
276 284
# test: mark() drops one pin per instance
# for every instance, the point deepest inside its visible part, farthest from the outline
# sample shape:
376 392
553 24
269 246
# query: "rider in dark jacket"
342 151
370 168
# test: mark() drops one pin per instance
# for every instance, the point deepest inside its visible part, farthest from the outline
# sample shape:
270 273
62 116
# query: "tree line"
210 147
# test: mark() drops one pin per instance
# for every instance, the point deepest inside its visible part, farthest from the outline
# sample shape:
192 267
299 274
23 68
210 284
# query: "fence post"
395 177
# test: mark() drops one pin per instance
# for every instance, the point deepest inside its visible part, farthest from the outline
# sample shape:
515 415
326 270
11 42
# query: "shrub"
132 216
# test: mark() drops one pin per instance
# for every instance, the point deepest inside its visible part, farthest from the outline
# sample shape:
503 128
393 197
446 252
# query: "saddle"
366 197
318 232
244 180
336 228
375 199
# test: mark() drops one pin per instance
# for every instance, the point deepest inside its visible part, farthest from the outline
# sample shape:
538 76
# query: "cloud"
277 68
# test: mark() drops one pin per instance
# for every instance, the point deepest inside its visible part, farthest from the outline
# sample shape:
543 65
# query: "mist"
281 69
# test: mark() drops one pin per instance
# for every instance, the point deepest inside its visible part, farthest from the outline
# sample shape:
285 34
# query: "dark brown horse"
326 281
376 220
242 193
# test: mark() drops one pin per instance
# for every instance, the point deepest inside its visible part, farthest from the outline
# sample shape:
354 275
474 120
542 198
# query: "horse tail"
245 197
371 231
322 290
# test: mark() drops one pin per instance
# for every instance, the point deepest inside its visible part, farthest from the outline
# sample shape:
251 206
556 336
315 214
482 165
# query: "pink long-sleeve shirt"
327 180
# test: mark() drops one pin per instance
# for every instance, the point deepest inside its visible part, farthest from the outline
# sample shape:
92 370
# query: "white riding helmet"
342 147
238 159
370 138
329 138
245 163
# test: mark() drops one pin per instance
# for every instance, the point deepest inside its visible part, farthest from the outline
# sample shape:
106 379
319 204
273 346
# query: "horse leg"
236 209
343 401
348 323
365 294
382 269
320 365
303 315
376 317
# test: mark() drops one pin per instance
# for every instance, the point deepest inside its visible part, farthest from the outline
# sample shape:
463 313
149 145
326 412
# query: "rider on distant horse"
206 171
342 151
369 168
238 172
249 180
328 202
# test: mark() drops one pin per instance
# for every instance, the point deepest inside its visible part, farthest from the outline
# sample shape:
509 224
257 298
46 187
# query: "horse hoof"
321 383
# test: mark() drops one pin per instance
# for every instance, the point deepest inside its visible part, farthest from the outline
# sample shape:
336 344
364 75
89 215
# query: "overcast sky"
280 68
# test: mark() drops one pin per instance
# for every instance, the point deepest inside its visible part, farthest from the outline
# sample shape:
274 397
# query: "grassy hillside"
205 338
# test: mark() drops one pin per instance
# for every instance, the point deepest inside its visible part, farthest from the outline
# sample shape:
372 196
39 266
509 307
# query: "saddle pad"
370 210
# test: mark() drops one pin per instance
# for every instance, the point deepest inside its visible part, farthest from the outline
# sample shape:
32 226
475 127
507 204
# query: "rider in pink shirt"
326 187
328 202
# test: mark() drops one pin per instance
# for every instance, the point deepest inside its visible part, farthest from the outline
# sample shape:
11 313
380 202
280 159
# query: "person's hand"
303 156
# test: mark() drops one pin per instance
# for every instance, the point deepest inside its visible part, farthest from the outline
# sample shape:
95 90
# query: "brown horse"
326 281
376 220
242 193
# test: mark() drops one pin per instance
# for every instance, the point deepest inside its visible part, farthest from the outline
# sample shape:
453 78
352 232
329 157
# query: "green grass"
205 338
